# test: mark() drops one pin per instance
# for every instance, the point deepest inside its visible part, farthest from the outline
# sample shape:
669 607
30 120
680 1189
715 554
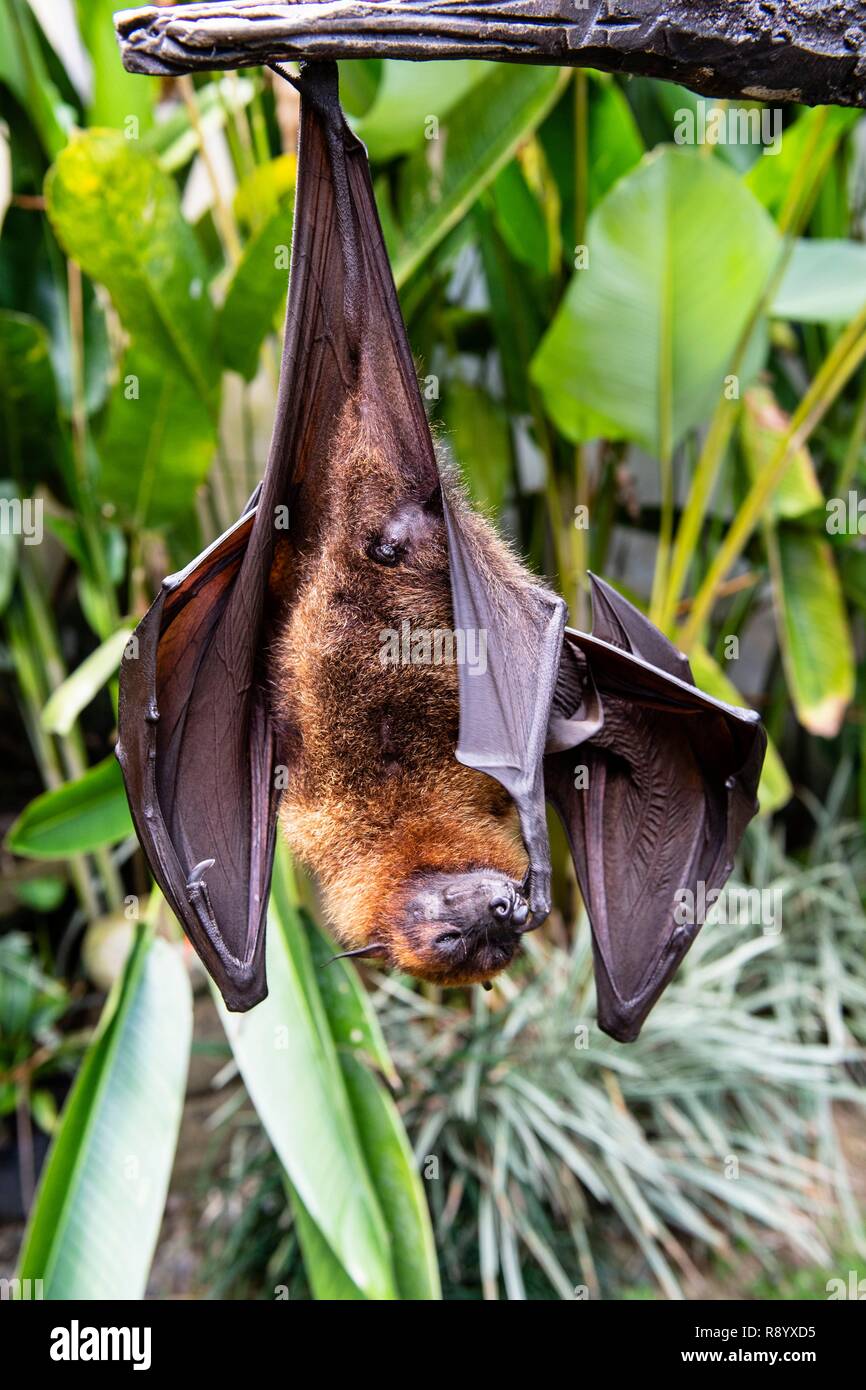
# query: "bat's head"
458 929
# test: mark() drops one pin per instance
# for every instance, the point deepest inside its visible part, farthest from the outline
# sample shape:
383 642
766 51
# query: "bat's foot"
536 890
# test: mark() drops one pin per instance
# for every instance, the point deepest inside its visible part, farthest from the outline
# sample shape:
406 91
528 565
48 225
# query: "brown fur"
375 795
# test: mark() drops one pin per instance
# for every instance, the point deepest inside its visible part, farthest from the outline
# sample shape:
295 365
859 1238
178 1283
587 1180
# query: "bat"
362 658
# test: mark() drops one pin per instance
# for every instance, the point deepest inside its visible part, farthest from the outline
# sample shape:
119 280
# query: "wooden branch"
813 51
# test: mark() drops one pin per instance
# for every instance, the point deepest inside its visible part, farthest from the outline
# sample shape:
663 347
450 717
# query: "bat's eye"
447 938
383 553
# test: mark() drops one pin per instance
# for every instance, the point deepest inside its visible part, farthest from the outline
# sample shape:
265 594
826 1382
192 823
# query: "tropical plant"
647 357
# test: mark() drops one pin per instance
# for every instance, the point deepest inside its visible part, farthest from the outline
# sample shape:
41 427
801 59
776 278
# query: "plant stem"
32 695
842 362
223 216
581 207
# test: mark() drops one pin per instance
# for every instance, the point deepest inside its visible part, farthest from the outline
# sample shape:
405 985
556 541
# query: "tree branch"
813 51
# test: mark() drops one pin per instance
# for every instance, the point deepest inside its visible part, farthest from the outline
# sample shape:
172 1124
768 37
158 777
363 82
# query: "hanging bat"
364 658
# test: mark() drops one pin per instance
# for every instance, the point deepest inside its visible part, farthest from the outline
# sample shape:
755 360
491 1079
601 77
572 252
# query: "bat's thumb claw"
194 877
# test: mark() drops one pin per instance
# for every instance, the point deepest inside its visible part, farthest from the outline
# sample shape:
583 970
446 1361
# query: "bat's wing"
506 698
195 740
654 800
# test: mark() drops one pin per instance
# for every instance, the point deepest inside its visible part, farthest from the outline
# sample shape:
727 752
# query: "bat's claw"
536 890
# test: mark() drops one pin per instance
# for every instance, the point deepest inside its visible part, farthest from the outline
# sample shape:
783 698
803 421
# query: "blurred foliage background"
647 357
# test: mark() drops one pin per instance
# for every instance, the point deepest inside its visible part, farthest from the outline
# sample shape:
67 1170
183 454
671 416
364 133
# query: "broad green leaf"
328 1280
520 218
80 816
289 1064
615 143
479 436
118 214
119 98
814 635
440 182
762 425
410 99
774 790
28 400
824 282
98 1210
351 1017
401 1195
24 70
157 442
256 294
77 691
679 252
359 83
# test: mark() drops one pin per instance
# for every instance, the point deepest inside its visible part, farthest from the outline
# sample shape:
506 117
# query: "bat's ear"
196 751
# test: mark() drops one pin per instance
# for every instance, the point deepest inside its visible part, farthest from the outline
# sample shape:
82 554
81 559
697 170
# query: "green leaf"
407 96
481 441
118 214
351 1017
404 1204
812 623
440 182
29 424
256 294
75 694
805 143
328 1280
762 425
98 1210
359 83
824 282
679 252
80 816
774 790
157 442
43 894
267 188
289 1064
24 70
119 97
615 144
519 217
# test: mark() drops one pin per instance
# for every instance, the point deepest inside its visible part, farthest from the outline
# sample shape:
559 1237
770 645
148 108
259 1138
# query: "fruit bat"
362 657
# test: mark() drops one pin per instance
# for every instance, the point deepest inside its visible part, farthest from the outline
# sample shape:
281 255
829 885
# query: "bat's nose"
507 906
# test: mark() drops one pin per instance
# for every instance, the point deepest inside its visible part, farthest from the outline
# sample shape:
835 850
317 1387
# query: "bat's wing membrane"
197 758
195 740
654 801
506 698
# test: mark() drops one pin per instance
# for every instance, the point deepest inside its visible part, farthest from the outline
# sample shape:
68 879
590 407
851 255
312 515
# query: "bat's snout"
463 928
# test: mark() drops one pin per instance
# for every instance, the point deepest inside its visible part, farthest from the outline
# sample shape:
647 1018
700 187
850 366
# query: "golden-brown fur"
375 796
